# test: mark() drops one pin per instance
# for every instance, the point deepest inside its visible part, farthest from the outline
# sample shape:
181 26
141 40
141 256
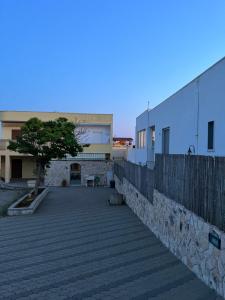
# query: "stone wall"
60 170
183 232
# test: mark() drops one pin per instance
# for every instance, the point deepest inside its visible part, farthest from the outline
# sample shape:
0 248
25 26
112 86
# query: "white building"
121 146
192 119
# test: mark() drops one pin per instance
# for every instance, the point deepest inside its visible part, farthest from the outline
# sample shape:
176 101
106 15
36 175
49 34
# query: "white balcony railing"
90 156
81 156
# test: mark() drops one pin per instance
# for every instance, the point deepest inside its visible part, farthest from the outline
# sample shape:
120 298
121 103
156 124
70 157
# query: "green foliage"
47 140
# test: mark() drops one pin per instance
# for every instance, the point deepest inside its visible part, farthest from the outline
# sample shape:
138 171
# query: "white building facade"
190 121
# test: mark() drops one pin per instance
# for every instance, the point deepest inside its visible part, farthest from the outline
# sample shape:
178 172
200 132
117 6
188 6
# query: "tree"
46 141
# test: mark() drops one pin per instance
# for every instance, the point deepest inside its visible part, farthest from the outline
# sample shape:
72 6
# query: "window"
152 136
211 135
141 138
16 133
94 134
166 140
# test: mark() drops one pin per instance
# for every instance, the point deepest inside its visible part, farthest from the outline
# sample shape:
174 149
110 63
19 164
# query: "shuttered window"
211 135
16 133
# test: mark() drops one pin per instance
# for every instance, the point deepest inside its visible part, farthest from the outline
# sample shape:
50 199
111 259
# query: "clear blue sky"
104 56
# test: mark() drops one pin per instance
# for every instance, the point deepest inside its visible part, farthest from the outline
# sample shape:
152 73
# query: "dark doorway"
16 168
75 174
166 140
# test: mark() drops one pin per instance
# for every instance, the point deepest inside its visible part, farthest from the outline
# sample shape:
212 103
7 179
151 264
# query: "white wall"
179 112
212 108
131 155
187 113
119 152
140 154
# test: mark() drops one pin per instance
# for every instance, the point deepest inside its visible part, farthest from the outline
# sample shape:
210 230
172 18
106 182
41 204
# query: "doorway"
166 140
16 168
75 174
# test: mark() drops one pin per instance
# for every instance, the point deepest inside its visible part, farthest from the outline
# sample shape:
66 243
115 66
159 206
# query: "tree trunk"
39 176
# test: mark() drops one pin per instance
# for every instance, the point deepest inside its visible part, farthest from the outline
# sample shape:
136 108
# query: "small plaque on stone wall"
214 239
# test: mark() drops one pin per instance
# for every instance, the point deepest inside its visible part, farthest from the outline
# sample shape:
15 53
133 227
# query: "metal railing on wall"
90 156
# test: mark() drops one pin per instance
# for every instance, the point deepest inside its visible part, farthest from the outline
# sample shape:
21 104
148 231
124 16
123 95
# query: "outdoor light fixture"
189 151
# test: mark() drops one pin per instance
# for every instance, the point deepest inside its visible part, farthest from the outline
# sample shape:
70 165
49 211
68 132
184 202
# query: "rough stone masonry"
60 170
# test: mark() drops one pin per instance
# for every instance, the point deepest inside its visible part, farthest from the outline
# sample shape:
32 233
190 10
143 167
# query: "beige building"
95 160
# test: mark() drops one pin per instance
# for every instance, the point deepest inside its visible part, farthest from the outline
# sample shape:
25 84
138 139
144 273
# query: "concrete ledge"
16 211
7 197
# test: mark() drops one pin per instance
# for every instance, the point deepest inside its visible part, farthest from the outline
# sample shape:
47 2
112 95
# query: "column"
1 135
7 169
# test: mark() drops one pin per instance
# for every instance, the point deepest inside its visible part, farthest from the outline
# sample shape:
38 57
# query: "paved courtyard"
77 247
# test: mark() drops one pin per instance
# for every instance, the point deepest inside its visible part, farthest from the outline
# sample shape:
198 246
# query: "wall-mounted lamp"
191 150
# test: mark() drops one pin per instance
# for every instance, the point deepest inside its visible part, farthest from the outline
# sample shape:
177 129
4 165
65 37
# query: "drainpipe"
197 121
147 137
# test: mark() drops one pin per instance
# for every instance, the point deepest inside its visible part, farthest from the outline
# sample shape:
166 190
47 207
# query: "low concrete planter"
16 211
7 197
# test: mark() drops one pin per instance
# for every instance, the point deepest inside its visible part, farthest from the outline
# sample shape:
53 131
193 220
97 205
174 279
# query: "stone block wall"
97 168
183 232
60 170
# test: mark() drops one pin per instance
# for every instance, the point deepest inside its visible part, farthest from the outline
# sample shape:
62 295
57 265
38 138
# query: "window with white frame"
152 137
141 138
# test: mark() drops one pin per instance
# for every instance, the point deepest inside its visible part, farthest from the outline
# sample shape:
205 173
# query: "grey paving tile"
78 247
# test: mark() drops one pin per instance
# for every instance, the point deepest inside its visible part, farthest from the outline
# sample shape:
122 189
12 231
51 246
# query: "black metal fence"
197 182
141 177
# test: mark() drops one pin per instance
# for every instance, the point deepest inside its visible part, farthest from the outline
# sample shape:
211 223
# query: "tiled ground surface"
77 247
